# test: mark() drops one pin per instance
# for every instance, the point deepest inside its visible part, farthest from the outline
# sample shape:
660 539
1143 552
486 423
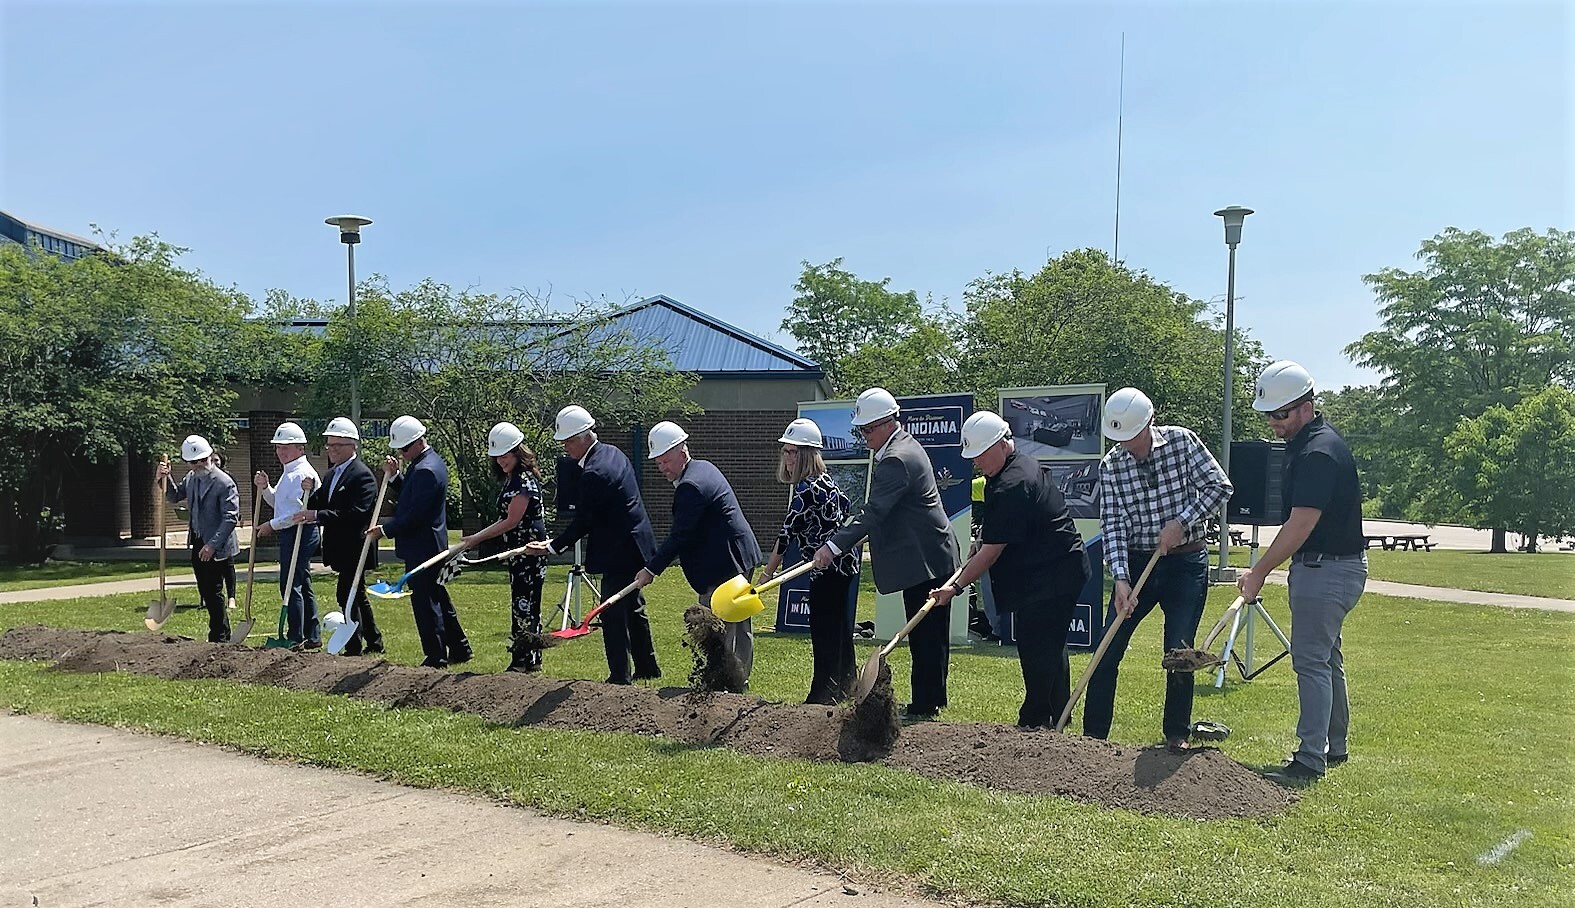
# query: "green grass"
1539 574
1463 724
61 573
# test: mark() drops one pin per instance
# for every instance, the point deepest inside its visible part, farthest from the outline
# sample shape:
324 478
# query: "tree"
463 361
1515 466
1364 417
1482 324
1081 318
111 355
852 329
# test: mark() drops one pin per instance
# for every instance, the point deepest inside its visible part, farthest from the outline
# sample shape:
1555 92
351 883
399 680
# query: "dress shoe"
460 657
612 680
651 675
918 713
434 663
1333 760
312 644
1295 774
375 648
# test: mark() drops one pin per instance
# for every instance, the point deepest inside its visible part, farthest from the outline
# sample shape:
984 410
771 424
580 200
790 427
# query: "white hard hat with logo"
981 432
804 433
1127 412
405 429
874 405
504 437
289 433
1280 385
664 437
340 427
332 622
195 448
571 421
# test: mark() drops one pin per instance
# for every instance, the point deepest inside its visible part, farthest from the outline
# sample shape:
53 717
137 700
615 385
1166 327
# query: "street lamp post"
1233 217
350 234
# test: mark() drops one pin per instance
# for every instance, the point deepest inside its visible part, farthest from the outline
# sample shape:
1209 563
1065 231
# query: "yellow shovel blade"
736 600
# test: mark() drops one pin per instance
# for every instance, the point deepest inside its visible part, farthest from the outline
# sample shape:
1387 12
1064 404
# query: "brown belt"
1191 548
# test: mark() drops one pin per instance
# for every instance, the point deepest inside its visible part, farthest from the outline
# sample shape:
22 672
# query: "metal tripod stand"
1242 625
569 609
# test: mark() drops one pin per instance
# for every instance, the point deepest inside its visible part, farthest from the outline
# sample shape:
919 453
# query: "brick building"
749 390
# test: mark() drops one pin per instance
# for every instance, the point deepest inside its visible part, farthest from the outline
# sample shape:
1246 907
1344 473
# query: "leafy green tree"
1081 318
1483 323
111 355
1515 466
462 361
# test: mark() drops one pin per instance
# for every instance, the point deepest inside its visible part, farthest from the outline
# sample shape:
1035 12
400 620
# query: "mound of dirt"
1202 784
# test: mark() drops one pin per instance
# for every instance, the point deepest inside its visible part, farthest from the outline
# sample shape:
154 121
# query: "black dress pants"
626 631
930 645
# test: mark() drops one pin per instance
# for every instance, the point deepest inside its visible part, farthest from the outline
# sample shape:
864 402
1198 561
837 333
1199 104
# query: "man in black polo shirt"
1035 558
1322 536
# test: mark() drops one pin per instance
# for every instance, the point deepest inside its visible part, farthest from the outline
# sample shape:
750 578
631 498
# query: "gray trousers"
738 635
1322 594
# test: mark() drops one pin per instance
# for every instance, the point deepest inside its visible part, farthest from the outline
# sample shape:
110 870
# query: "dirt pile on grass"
1203 784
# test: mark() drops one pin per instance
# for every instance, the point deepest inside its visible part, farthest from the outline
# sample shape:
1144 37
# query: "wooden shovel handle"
251 558
607 602
1104 644
919 615
785 576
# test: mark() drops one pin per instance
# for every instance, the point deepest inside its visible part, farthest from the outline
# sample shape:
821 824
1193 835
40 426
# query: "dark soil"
1202 783
1185 659
715 668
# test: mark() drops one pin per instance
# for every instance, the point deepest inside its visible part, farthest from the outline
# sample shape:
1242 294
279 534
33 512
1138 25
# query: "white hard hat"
195 448
664 437
1127 412
289 433
405 430
874 404
332 622
504 437
572 420
340 427
981 432
802 432
1281 384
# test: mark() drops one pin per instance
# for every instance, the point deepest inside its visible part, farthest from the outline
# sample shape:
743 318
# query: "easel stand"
569 609
1242 628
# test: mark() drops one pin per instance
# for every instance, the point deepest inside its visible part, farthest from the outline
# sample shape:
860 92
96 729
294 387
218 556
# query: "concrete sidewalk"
96 816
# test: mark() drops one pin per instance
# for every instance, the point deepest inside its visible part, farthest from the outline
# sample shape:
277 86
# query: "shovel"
870 673
242 630
1104 644
738 599
1225 619
160 609
584 627
289 580
341 636
397 590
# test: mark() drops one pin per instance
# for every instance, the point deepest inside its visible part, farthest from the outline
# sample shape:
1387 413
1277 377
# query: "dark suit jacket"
910 535
610 515
710 536
345 515
419 526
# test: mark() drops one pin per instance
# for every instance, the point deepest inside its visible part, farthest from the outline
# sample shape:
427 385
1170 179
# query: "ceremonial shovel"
341 636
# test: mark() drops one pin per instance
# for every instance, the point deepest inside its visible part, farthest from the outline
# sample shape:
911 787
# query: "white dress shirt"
286 496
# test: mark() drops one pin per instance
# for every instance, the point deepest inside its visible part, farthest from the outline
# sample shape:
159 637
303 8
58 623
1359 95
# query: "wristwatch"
956 590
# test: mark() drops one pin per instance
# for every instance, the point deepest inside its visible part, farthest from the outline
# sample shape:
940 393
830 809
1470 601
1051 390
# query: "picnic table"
1405 542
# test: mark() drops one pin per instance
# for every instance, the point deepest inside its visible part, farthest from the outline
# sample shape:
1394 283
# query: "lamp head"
349 227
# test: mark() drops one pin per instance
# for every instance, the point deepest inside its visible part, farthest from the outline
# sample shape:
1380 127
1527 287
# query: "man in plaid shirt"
1157 489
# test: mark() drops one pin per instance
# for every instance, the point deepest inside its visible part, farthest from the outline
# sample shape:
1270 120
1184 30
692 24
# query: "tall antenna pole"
1121 95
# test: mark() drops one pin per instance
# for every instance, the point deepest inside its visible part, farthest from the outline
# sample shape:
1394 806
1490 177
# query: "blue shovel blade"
385 590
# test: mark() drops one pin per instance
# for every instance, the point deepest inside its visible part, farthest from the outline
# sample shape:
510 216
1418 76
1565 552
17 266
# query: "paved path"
97 816
138 585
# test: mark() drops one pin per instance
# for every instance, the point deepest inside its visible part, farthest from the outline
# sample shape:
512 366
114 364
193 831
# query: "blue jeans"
1179 585
300 600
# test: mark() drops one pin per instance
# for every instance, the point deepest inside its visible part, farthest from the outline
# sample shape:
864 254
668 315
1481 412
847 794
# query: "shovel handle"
163 529
1104 644
295 553
251 557
785 576
1219 625
607 602
366 549
918 616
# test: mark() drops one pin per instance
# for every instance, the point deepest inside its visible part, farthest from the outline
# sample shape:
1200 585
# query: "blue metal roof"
699 343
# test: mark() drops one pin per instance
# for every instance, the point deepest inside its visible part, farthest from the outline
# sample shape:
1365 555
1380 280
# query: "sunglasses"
1283 413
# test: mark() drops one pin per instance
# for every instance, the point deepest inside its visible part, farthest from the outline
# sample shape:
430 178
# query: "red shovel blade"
584 627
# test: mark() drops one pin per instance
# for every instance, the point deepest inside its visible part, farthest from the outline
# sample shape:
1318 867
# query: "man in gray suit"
911 541
215 509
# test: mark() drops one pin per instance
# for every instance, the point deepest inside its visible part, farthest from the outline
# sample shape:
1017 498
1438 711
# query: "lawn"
1527 574
1463 723
61 573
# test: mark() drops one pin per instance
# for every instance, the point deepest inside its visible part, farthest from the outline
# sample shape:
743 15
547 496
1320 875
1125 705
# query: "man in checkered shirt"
1157 489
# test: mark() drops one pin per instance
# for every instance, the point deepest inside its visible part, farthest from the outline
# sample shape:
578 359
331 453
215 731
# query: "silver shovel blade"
159 612
340 638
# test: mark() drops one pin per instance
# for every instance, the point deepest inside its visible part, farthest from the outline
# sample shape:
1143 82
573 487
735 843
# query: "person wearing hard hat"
214 509
610 516
1158 487
419 529
709 536
219 461
342 509
299 477
816 511
1034 556
911 543
520 520
982 618
1322 538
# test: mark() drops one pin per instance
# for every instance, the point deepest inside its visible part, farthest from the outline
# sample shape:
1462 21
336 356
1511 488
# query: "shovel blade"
868 675
340 638
569 633
385 590
736 600
240 631
159 612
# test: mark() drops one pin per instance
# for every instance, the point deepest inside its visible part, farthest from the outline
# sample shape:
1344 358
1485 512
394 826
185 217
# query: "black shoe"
375 648
612 680
460 657
434 663
523 666
1294 774
312 644
920 713
1334 760
651 675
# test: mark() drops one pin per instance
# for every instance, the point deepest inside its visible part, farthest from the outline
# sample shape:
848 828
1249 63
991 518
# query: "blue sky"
704 150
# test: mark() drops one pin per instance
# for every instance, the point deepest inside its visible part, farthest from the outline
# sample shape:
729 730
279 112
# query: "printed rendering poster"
1078 481
1055 422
